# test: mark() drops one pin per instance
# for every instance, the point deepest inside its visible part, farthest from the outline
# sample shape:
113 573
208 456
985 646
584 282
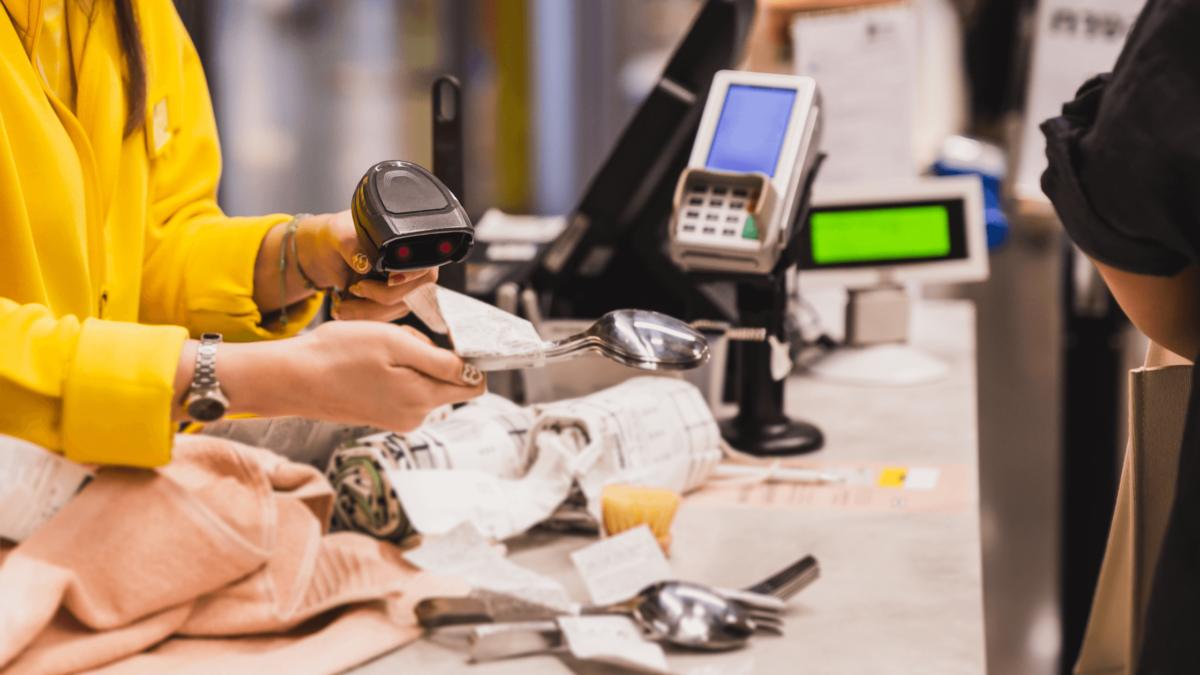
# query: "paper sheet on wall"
1073 41
34 484
865 65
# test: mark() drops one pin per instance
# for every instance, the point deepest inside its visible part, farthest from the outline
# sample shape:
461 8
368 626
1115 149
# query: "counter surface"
898 593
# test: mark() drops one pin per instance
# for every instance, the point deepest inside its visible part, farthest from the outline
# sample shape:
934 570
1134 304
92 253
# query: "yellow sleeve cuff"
118 392
220 282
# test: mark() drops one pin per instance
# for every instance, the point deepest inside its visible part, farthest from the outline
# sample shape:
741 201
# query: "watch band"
205 375
205 401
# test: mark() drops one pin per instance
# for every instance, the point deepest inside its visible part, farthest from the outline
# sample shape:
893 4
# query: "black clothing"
1124 176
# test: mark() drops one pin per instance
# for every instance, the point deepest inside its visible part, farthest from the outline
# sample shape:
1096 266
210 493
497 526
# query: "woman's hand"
327 246
352 372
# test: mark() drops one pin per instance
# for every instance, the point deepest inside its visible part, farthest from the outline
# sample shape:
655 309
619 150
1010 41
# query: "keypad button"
732 219
710 230
699 188
693 214
712 216
737 205
716 202
690 228
696 201
720 190
740 192
729 233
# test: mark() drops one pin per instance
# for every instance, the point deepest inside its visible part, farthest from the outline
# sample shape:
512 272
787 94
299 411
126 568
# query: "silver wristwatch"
205 401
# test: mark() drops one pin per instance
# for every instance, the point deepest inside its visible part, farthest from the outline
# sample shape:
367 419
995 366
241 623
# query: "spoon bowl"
637 338
691 616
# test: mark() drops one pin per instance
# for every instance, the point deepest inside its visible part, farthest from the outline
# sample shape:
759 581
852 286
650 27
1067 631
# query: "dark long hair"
135 62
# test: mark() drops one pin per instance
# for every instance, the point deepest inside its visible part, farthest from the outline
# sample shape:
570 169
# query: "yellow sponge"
625 507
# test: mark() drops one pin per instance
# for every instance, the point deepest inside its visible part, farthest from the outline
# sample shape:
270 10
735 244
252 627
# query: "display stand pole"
761 427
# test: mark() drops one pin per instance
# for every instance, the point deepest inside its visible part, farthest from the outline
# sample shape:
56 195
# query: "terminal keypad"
720 211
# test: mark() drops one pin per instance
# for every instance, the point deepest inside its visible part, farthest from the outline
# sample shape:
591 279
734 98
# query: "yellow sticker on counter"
892 477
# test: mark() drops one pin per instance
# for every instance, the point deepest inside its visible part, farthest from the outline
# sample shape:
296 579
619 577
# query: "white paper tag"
612 639
463 552
34 484
921 478
616 568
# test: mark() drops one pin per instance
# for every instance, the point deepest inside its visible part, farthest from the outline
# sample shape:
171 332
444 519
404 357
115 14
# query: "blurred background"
309 93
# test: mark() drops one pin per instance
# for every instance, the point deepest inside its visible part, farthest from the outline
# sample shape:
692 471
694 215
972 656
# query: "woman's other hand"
327 245
352 372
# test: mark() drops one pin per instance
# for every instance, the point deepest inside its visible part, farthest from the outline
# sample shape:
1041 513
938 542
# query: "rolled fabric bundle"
505 474
487 435
365 500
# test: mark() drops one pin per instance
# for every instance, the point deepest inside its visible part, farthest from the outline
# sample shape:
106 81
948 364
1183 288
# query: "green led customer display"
880 234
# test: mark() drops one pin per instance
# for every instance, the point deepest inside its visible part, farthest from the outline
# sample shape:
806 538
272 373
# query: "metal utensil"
690 615
632 337
489 642
687 615
440 612
790 580
638 338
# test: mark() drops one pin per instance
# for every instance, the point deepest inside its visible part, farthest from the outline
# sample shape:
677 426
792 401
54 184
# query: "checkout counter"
901 585
900 550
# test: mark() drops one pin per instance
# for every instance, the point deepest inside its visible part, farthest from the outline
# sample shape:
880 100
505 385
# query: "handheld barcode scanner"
407 219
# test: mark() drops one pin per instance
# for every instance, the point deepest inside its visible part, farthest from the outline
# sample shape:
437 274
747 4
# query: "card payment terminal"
738 197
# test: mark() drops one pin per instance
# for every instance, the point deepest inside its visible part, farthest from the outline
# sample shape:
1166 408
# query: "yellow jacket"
112 249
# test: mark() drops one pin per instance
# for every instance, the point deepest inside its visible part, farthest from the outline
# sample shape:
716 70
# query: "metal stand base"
761 427
789 437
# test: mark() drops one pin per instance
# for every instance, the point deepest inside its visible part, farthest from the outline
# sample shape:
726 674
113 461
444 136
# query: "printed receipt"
34 484
616 568
464 553
487 337
612 639
652 431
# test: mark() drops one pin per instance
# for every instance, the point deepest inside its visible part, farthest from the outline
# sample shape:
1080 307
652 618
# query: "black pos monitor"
613 254
617 250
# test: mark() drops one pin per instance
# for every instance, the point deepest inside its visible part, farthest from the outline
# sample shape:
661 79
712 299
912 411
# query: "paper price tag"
616 568
464 553
612 639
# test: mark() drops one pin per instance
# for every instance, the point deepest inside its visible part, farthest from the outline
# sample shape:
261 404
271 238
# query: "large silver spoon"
677 612
633 337
689 615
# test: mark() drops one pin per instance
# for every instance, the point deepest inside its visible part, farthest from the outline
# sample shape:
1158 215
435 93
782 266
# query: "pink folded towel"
225 541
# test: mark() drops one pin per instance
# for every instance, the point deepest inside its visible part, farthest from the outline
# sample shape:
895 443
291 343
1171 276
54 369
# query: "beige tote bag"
1158 394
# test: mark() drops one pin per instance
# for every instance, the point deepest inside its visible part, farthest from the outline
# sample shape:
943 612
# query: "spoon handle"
505 640
790 580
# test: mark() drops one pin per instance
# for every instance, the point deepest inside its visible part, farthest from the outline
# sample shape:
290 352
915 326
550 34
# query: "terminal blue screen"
751 128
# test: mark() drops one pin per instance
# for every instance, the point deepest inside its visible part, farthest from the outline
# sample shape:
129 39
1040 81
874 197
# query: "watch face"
206 409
